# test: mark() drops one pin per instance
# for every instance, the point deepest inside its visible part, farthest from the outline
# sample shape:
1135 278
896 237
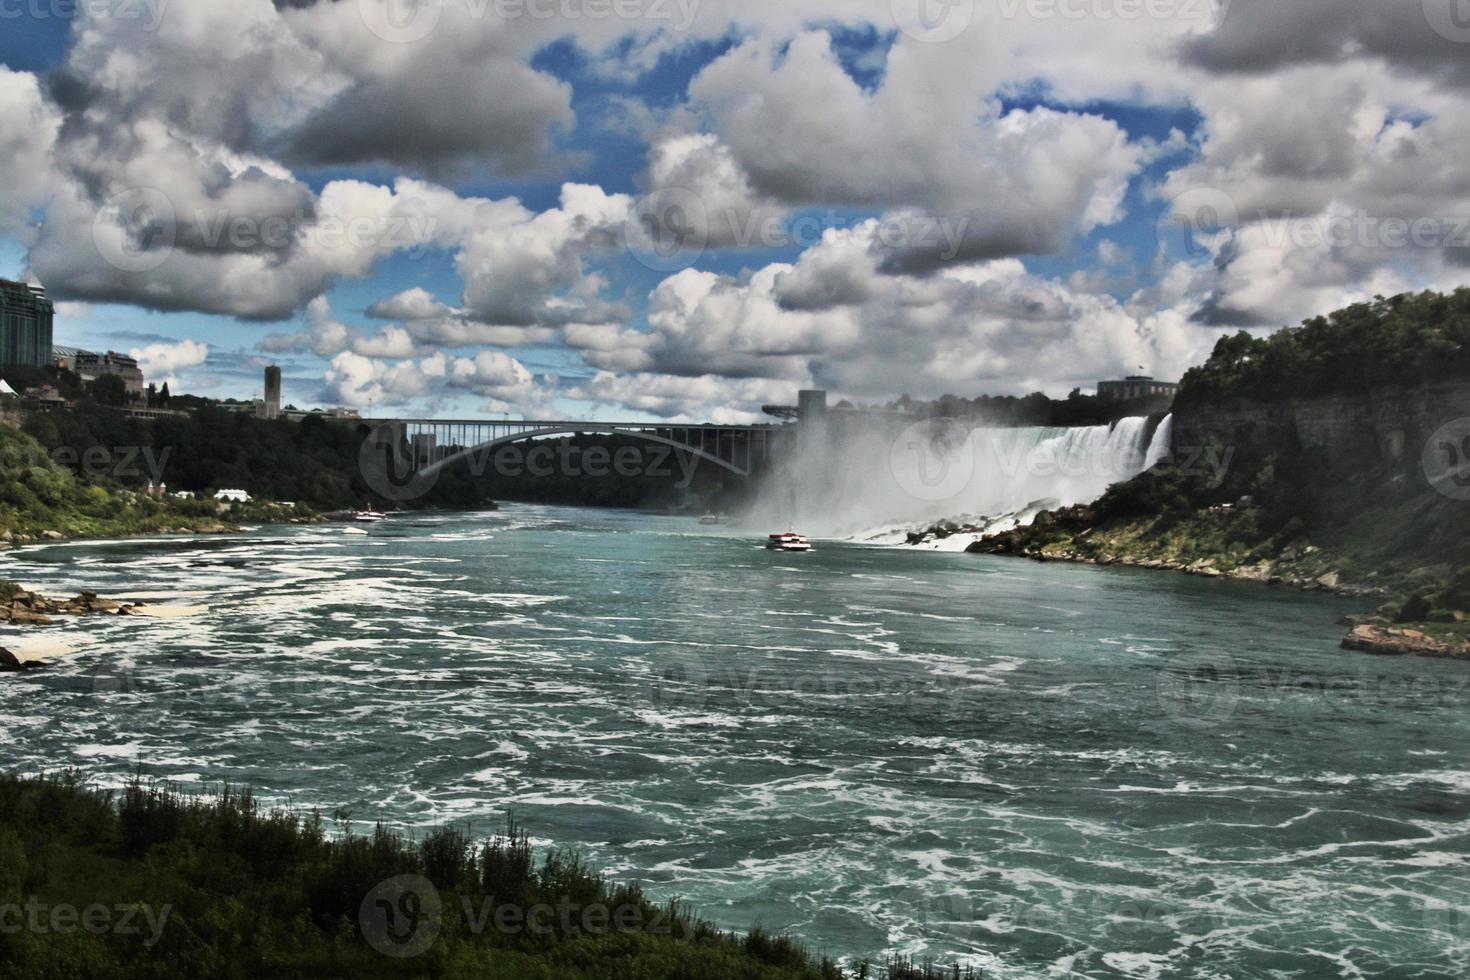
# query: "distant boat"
711 519
790 541
368 516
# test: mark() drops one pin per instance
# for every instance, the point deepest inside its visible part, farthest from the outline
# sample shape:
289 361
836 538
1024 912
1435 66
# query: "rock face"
1380 428
1390 641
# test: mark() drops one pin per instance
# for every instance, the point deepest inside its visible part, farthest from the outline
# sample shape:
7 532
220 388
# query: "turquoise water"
1034 768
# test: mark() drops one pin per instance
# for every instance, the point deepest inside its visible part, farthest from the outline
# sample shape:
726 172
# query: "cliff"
1384 430
1308 459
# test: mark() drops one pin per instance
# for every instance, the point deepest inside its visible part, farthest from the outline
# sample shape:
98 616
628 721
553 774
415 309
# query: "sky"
683 209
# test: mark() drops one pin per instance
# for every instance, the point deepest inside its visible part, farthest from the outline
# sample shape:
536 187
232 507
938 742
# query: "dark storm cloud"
1260 36
437 118
1216 311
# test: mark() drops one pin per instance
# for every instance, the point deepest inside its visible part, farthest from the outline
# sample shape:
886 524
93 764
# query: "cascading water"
1160 445
878 485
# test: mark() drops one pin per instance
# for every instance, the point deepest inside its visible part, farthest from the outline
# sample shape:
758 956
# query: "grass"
222 886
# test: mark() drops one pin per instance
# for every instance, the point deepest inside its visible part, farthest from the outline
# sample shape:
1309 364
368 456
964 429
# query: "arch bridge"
431 445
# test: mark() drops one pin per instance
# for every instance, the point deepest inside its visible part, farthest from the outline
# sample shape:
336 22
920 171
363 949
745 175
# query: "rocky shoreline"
1402 640
206 528
1079 525
8 537
1264 572
1074 535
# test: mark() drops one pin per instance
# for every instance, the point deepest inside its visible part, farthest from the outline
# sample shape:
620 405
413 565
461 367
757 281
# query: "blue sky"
1118 193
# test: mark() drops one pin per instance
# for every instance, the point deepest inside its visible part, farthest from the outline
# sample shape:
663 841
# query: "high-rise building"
26 320
272 392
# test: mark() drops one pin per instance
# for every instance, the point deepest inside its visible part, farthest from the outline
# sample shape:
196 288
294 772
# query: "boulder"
23 615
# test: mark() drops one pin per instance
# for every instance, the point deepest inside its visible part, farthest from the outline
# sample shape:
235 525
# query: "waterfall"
1162 444
877 484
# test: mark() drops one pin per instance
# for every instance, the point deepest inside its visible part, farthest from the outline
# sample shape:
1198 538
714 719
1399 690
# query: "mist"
876 483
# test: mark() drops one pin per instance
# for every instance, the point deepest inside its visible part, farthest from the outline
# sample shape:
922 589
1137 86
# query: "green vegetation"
38 496
314 462
223 887
1256 503
1407 339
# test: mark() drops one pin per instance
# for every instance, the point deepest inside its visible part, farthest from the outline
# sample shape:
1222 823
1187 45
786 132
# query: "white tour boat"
790 541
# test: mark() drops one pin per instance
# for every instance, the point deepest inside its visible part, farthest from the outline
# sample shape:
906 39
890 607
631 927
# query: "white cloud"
981 327
1315 110
28 129
926 139
411 304
162 363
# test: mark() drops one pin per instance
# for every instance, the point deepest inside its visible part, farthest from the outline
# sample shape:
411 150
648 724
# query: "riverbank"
1421 612
1210 544
167 524
1410 639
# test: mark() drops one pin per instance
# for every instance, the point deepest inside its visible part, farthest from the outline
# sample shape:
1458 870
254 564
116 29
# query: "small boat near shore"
790 541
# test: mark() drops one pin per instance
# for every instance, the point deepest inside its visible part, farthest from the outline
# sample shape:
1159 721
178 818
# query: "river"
1033 768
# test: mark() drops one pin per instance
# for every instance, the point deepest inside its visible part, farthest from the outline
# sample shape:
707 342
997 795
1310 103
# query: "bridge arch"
489 446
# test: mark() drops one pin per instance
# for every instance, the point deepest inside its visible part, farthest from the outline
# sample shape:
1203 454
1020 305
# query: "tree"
108 389
163 395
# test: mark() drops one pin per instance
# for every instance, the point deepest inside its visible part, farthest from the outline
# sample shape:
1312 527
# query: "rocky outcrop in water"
1399 641
25 608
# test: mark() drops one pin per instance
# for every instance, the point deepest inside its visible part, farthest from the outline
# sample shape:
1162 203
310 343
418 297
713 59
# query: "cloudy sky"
688 208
